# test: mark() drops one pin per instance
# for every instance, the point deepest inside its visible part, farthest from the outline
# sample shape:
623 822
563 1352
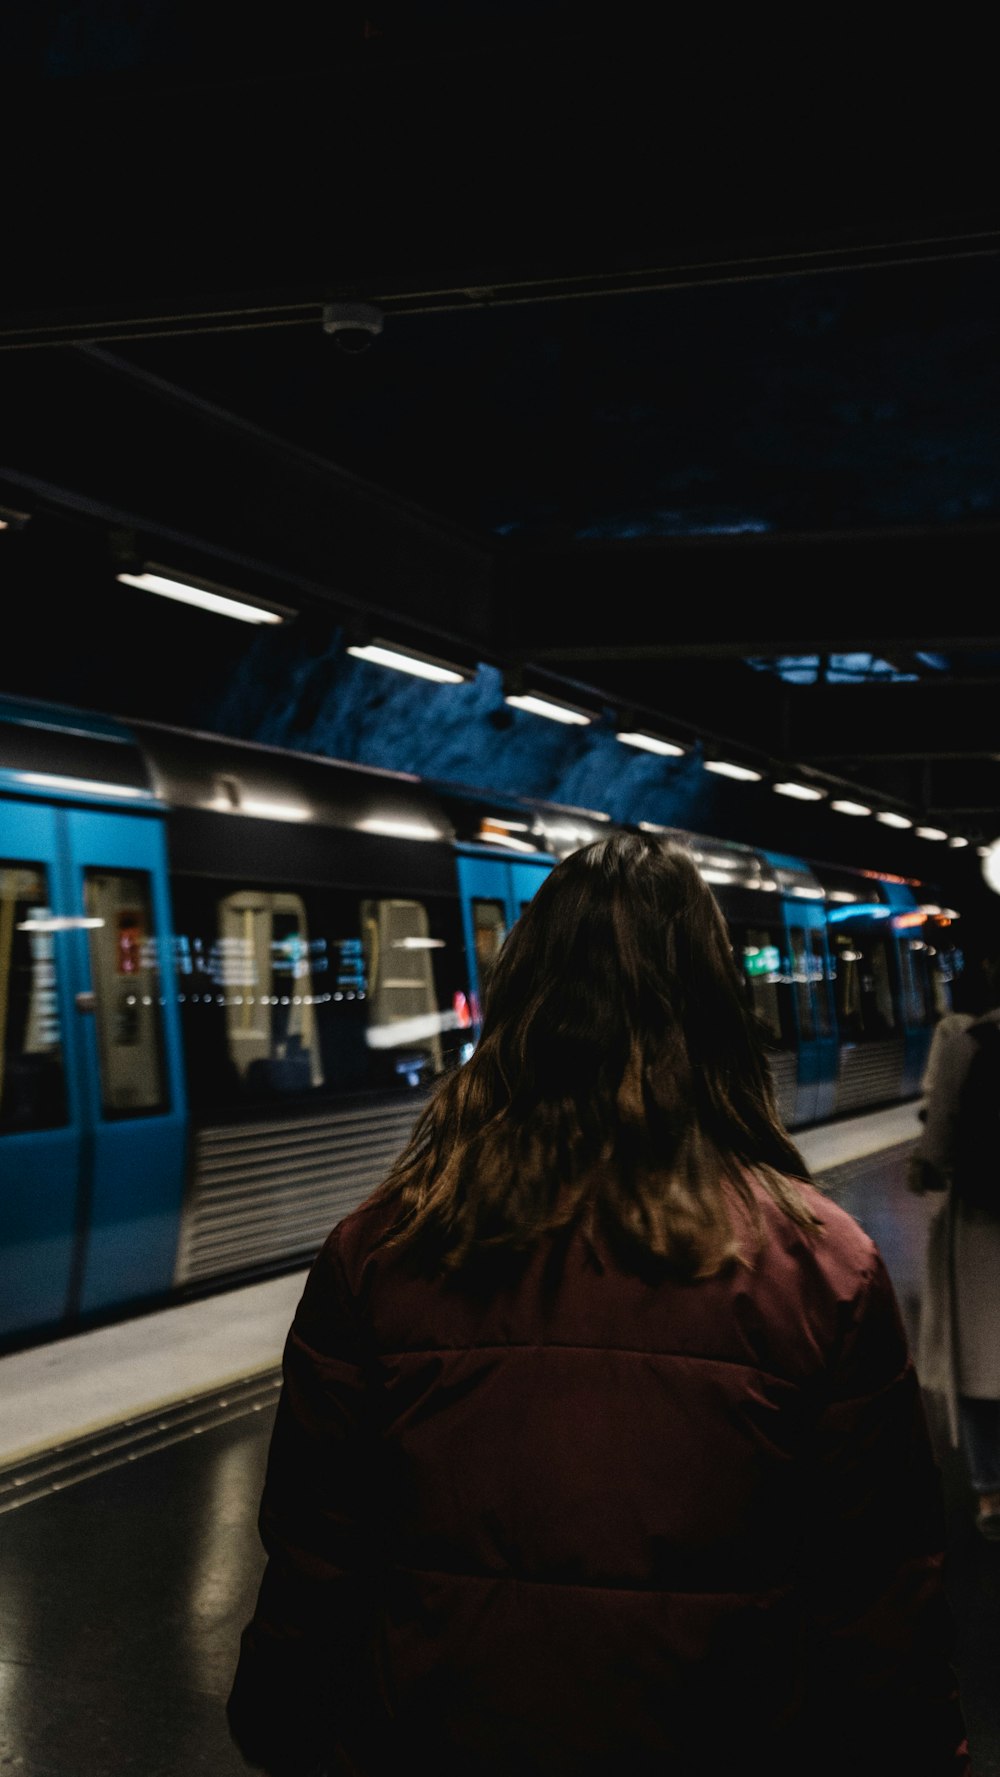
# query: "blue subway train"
229 974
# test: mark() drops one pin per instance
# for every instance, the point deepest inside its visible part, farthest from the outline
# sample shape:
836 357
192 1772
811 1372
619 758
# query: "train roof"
71 753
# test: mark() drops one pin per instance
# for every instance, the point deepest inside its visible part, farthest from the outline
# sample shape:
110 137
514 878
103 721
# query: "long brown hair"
619 1076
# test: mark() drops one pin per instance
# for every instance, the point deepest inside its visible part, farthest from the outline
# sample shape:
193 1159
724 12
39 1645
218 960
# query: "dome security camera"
353 324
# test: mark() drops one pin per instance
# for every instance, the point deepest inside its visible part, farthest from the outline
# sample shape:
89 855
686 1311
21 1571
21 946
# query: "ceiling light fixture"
650 743
931 833
742 773
537 705
850 807
206 596
890 818
801 792
957 839
410 660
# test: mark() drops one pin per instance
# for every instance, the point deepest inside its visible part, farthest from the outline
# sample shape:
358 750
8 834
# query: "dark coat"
584 1521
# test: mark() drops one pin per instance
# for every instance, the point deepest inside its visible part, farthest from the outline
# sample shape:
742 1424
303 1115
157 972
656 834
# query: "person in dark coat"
958 1347
600 1449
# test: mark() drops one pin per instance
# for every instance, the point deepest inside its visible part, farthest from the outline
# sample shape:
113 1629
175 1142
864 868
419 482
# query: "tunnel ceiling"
686 398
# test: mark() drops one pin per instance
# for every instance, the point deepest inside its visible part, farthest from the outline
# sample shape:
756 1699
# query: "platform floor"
134 1460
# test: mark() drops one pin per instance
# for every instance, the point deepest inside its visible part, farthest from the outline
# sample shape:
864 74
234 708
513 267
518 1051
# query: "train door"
41 1136
127 1031
494 894
92 1124
818 1046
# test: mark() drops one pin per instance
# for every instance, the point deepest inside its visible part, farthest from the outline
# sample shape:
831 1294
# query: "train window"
943 966
264 967
865 1007
759 953
917 987
290 993
32 1086
802 979
489 929
124 967
821 996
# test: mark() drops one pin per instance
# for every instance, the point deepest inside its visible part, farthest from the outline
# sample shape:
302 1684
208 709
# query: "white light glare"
399 829
850 807
930 833
890 818
742 773
957 839
200 596
541 706
47 780
990 855
801 792
273 811
651 743
422 666
841 895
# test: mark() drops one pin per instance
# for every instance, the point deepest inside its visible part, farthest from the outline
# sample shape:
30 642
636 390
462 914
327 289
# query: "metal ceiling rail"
250 312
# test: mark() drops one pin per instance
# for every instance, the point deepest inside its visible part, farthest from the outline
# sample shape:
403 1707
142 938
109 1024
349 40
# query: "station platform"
131 1462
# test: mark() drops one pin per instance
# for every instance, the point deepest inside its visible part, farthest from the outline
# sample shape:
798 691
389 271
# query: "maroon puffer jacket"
591 1522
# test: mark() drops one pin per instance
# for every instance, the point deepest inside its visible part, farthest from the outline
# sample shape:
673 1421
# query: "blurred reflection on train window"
802 977
402 1009
32 1088
865 1010
766 987
316 991
821 986
125 976
919 1003
489 928
263 944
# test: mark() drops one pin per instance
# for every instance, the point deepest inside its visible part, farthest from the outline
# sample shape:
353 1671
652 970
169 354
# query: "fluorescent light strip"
651 743
46 780
851 807
930 833
889 818
186 594
957 839
555 712
742 773
801 792
421 666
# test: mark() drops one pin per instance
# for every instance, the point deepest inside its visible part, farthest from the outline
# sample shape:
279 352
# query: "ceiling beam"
753 595
204 482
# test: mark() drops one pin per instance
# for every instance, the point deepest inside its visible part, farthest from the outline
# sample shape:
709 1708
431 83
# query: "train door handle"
86 1002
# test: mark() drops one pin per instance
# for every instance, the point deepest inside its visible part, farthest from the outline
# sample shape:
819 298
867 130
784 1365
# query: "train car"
229 975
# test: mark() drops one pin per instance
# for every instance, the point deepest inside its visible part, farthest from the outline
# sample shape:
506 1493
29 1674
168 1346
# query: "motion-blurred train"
229 973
